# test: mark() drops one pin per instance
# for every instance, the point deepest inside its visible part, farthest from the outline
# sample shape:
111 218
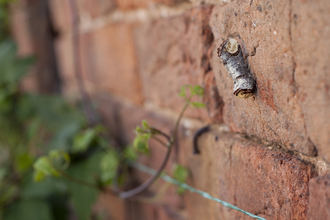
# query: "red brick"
173 52
268 182
108 61
60 14
311 46
64 55
212 99
20 30
319 198
274 113
263 180
97 8
134 4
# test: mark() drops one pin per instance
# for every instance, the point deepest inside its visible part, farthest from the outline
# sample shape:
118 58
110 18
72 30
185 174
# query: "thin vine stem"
151 180
159 141
79 181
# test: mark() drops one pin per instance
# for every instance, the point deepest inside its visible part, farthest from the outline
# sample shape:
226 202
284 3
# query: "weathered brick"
319 198
96 8
87 9
173 52
108 61
311 47
263 29
212 99
64 56
268 182
264 180
60 14
134 4
20 30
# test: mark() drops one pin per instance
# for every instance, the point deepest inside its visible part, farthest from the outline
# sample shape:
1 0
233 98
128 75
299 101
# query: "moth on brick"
231 55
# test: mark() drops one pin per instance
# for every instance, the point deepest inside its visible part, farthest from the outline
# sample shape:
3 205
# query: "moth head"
232 46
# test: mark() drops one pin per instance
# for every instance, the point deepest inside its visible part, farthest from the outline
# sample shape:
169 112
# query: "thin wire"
206 195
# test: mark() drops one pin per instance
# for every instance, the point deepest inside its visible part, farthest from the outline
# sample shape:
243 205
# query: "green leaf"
59 159
83 140
39 176
138 130
145 125
198 90
29 210
83 197
41 189
24 161
109 164
44 167
180 173
197 105
140 143
130 153
3 173
182 92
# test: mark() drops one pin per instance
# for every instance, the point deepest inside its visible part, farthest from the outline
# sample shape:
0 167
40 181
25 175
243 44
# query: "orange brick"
173 52
133 4
108 61
20 29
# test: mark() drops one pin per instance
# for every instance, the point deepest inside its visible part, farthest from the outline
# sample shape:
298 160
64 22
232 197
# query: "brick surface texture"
268 154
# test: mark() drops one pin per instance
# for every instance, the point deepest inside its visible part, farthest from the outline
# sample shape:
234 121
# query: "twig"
78 181
157 131
85 183
159 141
171 141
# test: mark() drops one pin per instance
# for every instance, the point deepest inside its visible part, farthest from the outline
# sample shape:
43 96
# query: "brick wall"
268 155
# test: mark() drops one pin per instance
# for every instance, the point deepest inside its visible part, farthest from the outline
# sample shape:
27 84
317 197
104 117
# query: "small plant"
112 162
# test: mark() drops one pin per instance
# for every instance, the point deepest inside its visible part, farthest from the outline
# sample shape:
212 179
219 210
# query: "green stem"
176 128
79 181
159 141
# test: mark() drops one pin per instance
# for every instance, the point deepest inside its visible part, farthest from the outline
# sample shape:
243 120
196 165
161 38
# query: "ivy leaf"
83 140
197 105
198 90
31 209
39 176
130 153
3 173
145 125
140 143
24 161
182 92
109 164
180 173
138 130
82 197
43 166
59 158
